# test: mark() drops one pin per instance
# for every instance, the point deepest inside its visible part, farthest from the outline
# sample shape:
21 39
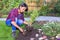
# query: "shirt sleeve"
12 16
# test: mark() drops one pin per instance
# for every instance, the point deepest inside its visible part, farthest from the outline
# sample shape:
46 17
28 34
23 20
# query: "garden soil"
31 35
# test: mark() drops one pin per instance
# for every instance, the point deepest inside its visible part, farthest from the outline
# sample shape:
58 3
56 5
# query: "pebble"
32 38
36 35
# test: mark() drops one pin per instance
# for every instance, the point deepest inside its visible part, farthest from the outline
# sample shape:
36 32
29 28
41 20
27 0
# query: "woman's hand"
23 32
20 29
27 23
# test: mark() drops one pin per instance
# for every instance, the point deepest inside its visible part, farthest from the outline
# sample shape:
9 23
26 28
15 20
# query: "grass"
5 32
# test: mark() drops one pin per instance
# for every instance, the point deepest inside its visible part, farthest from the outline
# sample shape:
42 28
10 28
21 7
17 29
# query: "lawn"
5 31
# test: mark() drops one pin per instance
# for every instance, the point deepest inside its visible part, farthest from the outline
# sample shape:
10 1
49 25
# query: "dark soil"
32 34
29 35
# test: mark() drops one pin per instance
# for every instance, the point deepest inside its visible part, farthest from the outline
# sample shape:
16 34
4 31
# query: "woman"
16 18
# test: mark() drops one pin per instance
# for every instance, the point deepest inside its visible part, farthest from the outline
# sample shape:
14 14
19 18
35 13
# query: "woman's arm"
27 23
14 23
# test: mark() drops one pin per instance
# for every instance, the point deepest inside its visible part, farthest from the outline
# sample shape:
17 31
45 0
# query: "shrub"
33 15
57 7
51 29
7 5
44 10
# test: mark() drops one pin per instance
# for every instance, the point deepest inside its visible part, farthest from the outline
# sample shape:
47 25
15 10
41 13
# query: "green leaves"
44 10
51 28
33 15
57 6
7 5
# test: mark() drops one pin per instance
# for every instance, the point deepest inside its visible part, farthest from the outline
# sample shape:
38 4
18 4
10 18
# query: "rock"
32 38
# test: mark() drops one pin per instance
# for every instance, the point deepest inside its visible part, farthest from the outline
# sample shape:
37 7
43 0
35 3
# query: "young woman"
16 18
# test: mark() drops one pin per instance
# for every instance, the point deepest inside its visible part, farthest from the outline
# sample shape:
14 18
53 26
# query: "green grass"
5 31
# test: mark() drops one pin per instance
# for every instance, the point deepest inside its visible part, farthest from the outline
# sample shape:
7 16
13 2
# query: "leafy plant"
27 14
44 10
7 5
33 15
57 7
51 29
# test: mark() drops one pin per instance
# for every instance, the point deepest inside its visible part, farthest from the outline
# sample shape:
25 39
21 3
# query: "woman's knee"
19 22
8 22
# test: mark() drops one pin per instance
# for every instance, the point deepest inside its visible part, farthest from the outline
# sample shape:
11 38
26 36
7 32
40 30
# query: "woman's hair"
23 5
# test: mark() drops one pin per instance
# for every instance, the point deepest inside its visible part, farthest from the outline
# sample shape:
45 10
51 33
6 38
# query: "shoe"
14 34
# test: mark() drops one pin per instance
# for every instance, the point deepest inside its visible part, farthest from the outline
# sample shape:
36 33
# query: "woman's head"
23 7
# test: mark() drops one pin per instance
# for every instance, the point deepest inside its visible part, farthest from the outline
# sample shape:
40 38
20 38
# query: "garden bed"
32 35
49 31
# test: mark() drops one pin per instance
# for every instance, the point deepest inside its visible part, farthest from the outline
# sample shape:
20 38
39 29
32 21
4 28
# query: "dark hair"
23 5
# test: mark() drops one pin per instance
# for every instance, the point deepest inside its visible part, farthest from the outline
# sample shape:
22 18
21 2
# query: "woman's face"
22 9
